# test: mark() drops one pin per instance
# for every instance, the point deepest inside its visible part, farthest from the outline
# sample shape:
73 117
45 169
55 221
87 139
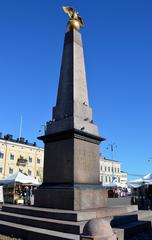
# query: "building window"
29 172
119 179
10 170
1 155
38 161
1 169
118 169
11 156
109 169
30 159
112 169
37 173
101 168
109 179
105 178
115 169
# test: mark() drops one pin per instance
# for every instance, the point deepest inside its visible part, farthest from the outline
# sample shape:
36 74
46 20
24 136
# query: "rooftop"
21 140
106 159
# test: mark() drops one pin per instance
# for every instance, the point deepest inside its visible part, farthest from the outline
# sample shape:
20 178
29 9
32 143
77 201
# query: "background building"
20 155
110 170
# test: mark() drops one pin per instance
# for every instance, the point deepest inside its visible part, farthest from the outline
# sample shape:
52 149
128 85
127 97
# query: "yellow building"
110 170
20 155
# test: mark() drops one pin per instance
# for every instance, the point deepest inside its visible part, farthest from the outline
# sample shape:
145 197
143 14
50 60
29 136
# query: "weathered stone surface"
71 156
77 197
59 161
41 223
80 215
86 162
98 229
72 106
71 173
72 85
50 213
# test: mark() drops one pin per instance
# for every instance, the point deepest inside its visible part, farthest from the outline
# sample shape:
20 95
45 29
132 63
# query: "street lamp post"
112 147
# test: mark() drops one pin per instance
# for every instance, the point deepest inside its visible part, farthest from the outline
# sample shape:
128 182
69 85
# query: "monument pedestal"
71 172
77 197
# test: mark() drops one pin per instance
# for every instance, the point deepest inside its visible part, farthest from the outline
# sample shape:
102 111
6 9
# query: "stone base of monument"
76 197
26 222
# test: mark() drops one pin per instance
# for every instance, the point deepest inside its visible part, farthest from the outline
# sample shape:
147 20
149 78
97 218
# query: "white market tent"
113 184
146 180
148 177
19 178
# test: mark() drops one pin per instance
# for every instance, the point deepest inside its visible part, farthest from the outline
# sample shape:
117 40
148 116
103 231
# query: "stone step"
144 214
126 231
124 219
115 210
33 233
67 215
50 224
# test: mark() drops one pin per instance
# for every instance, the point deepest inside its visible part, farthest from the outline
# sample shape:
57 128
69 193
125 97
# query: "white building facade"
110 170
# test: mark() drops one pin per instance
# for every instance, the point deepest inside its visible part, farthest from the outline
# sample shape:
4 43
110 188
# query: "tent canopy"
148 177
141 181
113 184
19 178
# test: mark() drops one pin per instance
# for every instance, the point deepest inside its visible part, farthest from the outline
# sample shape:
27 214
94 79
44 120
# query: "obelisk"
71 152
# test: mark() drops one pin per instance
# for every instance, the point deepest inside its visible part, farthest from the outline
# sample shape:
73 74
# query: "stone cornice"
72 133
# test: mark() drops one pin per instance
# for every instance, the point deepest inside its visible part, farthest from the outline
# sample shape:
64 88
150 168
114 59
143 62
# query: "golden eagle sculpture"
75 20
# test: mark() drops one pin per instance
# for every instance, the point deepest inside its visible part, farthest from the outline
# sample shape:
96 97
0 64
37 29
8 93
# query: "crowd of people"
118 192
142 197
25 193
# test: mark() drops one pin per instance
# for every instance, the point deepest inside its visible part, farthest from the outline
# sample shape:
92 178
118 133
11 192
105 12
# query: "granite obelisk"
71 156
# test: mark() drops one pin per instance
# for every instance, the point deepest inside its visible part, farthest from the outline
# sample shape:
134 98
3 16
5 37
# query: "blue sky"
117 41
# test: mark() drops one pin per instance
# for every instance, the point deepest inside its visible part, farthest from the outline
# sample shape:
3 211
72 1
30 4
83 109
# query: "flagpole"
21 121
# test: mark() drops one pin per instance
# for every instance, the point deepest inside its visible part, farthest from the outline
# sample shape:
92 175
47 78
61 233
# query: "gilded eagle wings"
73 14
81 21
75 20
69 11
